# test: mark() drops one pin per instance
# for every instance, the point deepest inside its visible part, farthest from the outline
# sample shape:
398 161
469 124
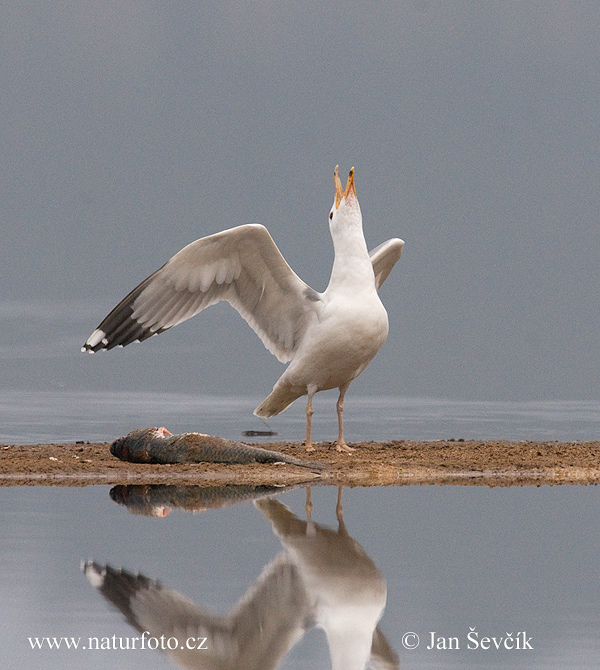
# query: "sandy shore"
490 463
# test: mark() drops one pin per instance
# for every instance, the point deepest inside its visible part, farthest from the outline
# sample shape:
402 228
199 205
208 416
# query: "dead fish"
158 445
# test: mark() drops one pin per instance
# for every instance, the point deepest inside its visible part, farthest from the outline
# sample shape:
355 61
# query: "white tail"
281 398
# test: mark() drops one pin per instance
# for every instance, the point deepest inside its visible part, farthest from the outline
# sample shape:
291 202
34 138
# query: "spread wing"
267 621
384 257
241 265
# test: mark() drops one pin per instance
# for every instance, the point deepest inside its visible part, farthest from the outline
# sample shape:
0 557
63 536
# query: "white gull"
328 338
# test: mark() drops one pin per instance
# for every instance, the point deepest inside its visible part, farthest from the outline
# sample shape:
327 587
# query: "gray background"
129 129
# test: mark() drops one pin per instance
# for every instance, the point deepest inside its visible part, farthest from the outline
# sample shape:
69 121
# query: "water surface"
29 417
501 560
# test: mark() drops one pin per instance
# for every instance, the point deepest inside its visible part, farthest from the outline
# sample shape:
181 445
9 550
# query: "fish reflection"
160 499
322 578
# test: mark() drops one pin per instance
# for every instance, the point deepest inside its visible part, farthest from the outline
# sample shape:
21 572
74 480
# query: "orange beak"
339 193
350 185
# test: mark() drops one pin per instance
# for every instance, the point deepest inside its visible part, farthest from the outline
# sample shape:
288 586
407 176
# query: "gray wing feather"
241 265
384 257
255 635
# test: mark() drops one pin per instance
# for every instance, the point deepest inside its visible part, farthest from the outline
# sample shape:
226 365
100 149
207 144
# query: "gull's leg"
311 529
308 507
340 445
309 413
339 512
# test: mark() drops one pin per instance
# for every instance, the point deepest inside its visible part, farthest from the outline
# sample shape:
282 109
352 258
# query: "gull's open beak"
339 193
350 190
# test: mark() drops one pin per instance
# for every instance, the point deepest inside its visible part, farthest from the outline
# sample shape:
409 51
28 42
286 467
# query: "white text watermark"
519 641
116 642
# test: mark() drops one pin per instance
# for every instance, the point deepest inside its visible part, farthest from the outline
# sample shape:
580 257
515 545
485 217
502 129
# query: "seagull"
327 338
323 578
346 592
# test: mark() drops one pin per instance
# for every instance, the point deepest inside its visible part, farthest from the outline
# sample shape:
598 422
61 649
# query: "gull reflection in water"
322 578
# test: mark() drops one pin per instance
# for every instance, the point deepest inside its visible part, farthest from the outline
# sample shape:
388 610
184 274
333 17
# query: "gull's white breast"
347 333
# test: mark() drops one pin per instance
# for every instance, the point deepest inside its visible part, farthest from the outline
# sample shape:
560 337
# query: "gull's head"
345 208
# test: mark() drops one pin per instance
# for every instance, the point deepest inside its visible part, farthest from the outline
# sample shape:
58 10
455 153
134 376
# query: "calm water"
36 416
443 560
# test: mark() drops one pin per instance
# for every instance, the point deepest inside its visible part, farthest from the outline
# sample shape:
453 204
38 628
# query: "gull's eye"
331 215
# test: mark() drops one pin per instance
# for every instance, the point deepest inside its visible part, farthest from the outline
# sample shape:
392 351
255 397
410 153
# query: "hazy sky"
131 128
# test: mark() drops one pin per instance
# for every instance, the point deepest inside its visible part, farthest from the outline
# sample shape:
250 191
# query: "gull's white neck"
352 267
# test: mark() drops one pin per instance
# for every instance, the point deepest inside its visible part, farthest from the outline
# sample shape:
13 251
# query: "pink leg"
341 445
309 414
308 507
